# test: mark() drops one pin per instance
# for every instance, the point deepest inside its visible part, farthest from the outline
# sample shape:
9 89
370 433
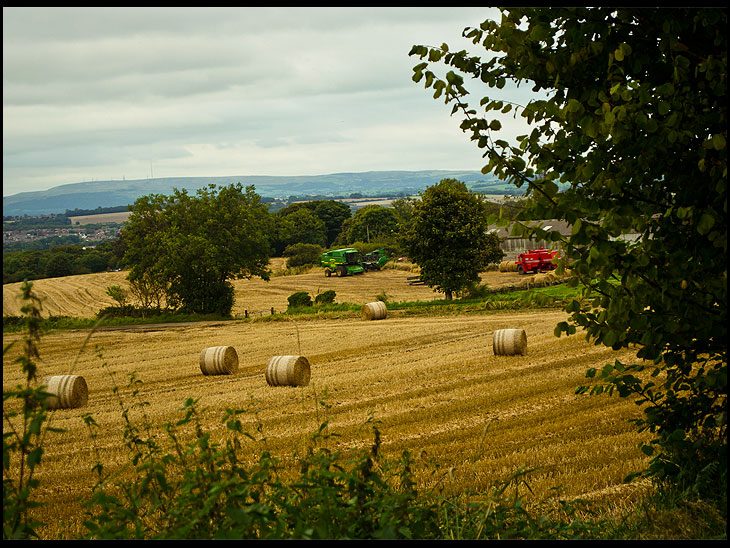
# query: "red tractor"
536 260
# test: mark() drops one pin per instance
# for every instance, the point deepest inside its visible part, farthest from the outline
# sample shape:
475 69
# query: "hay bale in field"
218 360
287 371
508 342
68 391
508 266
543 278
374 311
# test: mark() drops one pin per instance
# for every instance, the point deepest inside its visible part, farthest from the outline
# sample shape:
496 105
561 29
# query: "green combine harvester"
349 261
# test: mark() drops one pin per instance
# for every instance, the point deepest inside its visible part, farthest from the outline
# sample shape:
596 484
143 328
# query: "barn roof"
547 224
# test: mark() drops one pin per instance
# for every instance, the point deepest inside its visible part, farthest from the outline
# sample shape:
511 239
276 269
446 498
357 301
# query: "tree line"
298 231
184 250
62 260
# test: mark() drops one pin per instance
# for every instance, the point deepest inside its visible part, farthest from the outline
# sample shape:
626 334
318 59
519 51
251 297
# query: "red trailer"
536 260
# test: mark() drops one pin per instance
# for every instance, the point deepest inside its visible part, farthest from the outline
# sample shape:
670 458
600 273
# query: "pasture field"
432 382
118 217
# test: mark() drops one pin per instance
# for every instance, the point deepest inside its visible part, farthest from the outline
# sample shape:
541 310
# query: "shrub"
299 299
302 254
22 440
328 297
474 291
125 311
117 293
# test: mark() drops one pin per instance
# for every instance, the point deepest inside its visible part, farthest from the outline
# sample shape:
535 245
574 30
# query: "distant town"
84 234
87 229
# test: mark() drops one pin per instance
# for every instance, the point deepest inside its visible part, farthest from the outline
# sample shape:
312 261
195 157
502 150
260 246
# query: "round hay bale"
218 360
374 311
508 266
508 342
68 391
287 371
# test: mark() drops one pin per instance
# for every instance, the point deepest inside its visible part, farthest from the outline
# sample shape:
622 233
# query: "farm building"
514 245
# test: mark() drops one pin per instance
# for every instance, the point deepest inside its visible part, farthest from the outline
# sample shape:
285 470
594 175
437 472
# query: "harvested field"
84 295
119 217
433 383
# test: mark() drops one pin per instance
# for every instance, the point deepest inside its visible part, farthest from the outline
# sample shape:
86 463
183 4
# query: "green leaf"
574 106
34 456
705 223
647 449
718 141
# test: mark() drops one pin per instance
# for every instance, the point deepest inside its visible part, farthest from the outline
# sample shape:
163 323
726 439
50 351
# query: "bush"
299 299
125 311
328 297
302 254
475 291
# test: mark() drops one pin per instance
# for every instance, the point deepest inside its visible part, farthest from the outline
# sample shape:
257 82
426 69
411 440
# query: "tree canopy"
630 112
192 246
331 212
297 225
448 237
371 223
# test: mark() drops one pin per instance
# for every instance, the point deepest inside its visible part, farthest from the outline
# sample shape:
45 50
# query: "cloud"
97 93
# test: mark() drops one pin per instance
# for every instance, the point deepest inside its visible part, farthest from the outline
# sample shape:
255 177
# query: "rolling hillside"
90 195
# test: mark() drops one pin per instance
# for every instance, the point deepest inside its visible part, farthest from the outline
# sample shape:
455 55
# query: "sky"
132 93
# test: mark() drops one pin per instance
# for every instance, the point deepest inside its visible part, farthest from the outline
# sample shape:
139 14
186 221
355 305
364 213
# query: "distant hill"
91 195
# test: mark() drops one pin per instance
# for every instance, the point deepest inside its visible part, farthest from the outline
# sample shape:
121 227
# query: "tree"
59 264
91 260
403 208
297 226
302 254
448 237
630 114
190 247
118 293
331 212
373 222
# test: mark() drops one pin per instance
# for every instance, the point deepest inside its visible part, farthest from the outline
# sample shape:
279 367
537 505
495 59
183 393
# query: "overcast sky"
129 93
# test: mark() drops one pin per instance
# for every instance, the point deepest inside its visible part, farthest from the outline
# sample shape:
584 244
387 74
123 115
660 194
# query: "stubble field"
432 382
84 295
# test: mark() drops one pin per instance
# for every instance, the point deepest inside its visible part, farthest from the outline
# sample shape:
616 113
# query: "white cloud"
99 93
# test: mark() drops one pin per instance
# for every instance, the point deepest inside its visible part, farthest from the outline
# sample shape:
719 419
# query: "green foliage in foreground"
235 489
